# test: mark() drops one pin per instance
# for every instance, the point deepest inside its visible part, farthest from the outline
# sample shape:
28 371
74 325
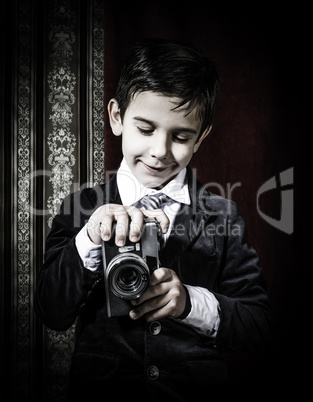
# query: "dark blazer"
208 248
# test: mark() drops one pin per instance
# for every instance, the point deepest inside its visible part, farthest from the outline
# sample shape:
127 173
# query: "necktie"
156 201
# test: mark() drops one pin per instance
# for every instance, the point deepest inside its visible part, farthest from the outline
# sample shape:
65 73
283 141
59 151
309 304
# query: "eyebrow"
175 129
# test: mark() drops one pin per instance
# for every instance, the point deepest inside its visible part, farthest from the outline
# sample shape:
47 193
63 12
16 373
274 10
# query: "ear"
205 133
115 117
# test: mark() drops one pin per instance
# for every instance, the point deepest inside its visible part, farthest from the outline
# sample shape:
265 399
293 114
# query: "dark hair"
172 69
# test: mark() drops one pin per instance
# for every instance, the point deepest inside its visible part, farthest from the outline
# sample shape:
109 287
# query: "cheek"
183 154
130 144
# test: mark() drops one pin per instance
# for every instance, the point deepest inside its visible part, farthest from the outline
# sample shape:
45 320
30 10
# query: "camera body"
127 269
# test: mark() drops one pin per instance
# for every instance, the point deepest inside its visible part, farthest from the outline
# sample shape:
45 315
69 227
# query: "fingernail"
133 315
120 243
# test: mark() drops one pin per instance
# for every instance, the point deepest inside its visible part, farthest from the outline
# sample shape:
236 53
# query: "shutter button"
155 328
153 372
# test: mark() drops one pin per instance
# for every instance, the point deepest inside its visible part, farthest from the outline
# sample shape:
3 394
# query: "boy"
208 294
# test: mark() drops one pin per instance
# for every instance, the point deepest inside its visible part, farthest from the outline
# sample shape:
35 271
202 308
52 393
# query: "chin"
153 182
153 179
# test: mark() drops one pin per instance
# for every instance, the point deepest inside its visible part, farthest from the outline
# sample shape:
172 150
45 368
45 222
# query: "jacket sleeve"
245 319
64 284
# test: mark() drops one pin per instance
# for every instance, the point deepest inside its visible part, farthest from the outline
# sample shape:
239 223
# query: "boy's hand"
165 297
100 223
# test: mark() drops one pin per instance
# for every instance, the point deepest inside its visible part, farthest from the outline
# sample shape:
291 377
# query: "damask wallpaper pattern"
61 130
64 106
96 104
52 142
62 102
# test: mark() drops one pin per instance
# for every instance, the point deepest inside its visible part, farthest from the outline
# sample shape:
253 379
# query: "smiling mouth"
155 169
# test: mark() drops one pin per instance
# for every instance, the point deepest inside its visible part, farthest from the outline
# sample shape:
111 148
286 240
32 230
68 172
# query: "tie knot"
155 201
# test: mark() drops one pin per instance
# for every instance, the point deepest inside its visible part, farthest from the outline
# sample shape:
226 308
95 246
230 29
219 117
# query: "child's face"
157 141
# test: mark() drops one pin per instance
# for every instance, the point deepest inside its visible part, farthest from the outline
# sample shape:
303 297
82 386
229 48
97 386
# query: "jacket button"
153 372
155 328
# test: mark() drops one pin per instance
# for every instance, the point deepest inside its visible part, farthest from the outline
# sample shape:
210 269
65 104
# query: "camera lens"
128 276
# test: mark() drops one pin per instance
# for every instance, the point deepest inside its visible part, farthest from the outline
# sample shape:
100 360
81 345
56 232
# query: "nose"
159 147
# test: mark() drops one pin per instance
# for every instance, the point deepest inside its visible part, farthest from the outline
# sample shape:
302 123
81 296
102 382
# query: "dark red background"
259 131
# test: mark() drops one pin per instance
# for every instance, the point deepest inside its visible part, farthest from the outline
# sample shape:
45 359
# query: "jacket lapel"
112 195
189 229
105 194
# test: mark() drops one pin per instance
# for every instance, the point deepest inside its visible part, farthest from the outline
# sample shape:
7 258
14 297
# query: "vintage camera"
127 269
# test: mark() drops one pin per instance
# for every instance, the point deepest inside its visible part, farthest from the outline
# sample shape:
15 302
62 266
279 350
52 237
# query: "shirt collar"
131 190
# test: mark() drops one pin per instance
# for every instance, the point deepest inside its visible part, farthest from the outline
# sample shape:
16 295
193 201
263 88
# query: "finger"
150 306
152 292
121 229
161 275
106 227
159 284
171 304
106 215
94 231
158 314
136 224
160 216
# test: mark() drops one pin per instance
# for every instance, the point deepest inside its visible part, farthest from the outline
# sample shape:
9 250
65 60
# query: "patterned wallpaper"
62 159
50 45
61 104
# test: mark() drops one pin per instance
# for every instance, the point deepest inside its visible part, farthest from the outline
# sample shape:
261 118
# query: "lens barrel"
128 276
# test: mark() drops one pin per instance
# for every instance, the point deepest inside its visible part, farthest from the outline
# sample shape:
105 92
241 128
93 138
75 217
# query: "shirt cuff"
89 252
204 313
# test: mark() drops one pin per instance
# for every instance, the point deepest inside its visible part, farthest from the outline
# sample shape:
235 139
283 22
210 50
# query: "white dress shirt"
203 316
131 191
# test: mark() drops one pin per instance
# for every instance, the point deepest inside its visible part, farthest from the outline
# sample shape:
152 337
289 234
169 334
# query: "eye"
180 140
145 131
